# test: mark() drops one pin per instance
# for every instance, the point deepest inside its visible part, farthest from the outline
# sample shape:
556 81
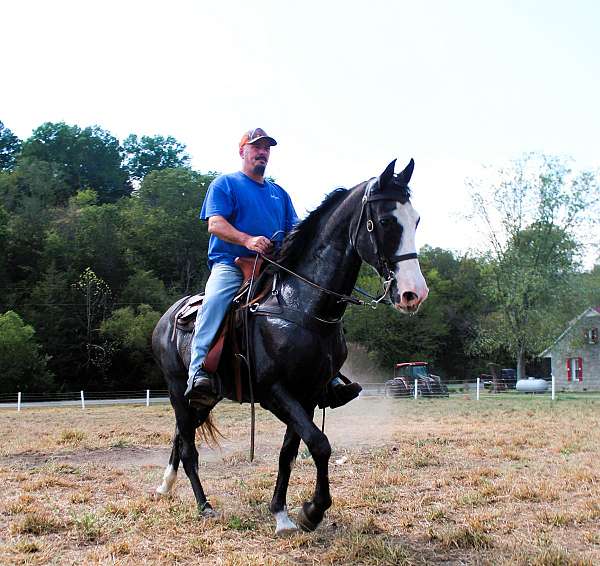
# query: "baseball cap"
252 136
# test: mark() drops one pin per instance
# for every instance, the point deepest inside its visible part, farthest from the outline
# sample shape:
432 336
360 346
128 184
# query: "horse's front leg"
287 454
291 412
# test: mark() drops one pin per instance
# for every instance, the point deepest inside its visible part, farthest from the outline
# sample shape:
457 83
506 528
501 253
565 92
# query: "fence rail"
474 389
21 400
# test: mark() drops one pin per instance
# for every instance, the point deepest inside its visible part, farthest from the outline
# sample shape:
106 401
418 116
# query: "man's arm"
222 229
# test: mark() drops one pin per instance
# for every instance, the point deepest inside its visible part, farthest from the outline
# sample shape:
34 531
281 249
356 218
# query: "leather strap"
403 257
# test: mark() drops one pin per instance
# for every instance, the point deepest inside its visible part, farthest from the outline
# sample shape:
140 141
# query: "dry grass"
428 482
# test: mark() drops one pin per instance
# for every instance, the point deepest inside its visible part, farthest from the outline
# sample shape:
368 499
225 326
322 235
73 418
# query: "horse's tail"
209 432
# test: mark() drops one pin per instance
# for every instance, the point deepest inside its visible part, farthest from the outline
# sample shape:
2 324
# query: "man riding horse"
244 212
295 332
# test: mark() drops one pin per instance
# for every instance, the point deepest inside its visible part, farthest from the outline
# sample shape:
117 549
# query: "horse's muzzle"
409 288
410 301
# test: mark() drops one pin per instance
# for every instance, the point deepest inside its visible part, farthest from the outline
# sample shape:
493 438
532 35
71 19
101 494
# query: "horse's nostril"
409 296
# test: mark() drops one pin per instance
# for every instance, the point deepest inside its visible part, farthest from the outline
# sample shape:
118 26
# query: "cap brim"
269 138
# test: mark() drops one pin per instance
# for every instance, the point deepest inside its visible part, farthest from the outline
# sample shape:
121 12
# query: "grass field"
511 481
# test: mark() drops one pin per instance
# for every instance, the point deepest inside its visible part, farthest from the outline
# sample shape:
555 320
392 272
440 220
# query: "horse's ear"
387 175
404 176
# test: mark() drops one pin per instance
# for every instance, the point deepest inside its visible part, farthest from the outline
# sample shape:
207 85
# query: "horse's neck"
329 261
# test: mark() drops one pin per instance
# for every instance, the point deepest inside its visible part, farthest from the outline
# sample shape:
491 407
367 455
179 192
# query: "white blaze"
409 278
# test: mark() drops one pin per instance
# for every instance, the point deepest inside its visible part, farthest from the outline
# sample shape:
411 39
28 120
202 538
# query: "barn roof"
591 311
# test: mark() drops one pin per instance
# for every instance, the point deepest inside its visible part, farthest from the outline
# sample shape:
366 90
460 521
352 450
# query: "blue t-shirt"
258 210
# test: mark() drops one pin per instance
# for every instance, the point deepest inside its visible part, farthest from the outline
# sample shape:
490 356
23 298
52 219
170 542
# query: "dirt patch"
113 457
348 428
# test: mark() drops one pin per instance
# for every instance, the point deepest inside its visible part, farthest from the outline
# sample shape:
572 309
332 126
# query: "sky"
344 86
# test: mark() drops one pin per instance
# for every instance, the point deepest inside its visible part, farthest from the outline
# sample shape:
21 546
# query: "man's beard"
259 169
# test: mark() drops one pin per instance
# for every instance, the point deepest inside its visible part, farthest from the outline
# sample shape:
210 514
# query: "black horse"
296 337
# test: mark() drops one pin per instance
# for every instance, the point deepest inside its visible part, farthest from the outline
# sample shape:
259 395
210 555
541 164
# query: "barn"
575 354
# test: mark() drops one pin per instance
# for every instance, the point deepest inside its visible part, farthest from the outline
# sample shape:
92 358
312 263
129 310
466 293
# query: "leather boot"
202 389
340 390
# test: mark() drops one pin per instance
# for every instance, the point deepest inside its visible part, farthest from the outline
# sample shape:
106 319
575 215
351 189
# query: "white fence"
82 399
474 390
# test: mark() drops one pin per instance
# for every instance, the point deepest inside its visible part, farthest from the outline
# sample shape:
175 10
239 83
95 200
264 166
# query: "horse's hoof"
305 523
286 531
207 512
285 526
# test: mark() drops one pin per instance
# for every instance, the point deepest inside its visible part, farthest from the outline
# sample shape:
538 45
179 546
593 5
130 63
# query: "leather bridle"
372 195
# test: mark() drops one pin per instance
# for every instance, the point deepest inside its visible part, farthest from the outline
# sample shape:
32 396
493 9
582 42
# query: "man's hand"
259 244
221 228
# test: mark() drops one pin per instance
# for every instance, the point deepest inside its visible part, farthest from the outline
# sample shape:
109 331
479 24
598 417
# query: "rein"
342 298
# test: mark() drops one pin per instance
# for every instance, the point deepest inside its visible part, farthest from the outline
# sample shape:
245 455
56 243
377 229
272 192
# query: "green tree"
456 294
162 231
130 330
132 327
144 287
10 146
96 296
153 153
589 283
22 364
54 308
28 193
33 186
83 235
533 218
88 158
3 247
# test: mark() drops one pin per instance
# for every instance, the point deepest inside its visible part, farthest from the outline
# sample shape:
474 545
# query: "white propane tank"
532 385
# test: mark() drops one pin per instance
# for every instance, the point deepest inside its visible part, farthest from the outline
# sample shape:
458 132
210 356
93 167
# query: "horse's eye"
385 221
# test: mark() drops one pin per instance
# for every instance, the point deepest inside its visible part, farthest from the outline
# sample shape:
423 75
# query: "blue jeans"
223 283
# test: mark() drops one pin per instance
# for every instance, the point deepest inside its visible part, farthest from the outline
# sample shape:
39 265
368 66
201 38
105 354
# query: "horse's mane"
296 241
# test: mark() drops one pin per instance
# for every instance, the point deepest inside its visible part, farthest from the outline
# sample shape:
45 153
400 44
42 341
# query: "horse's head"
384 236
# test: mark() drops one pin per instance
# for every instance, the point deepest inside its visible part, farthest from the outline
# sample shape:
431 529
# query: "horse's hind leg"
291 412
170 475
187 422
287 454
